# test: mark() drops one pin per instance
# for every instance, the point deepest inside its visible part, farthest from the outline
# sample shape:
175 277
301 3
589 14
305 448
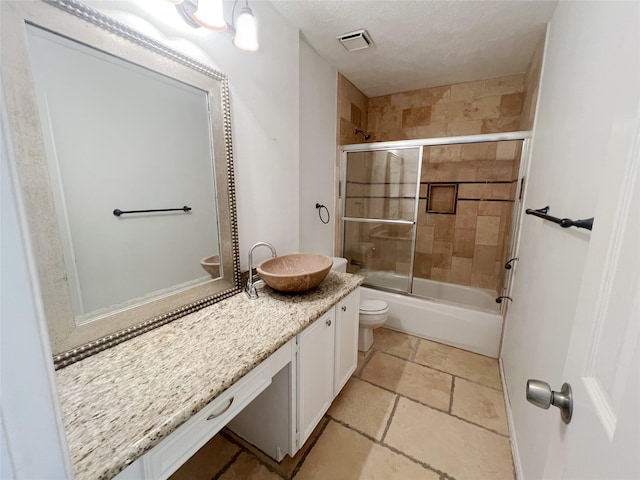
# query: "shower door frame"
414 222
523 135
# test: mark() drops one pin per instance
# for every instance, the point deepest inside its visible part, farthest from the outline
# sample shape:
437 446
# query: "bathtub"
456 315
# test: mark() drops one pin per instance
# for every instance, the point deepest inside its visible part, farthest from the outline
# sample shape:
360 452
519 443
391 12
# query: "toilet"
373 313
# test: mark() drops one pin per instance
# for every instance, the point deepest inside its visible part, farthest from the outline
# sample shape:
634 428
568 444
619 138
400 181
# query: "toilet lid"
371 305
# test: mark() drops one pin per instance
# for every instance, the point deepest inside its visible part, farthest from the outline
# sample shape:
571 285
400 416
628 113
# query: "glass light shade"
210 15
246 37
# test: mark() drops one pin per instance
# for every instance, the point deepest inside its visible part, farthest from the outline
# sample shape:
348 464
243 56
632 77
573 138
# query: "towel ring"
320 207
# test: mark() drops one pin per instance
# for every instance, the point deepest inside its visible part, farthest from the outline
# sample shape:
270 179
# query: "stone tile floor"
414 409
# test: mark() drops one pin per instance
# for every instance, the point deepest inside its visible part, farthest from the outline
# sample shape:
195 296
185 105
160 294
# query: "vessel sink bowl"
297 272
211 265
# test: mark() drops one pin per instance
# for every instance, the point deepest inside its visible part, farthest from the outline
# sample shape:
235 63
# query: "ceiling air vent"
357 40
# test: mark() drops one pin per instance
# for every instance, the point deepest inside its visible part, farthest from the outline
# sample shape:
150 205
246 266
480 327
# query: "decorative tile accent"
442 198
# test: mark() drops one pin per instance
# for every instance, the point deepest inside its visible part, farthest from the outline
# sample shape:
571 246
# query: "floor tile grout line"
313 444
453 387
393 412
227 465
269 467
436 369
393 449
412 357
433 408
366 362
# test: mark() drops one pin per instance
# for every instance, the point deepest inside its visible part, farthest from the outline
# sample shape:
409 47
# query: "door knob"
540 394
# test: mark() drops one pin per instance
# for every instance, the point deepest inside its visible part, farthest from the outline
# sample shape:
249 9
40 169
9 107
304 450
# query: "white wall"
33 444
585 84
318 104
265 111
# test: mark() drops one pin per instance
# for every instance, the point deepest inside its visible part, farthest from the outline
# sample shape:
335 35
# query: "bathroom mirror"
123 153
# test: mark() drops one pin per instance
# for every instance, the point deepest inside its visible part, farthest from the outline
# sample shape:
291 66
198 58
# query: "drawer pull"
328 323
215 415
344 309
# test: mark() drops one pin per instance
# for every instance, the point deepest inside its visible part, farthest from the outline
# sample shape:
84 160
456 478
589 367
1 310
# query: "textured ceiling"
422 43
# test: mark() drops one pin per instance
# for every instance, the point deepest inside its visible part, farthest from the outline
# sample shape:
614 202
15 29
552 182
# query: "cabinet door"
346 341
315 373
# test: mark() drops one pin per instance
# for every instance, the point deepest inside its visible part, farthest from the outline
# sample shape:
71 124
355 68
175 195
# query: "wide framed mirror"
123 152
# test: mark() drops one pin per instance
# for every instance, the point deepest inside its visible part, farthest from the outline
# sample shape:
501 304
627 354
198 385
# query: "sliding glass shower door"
379 206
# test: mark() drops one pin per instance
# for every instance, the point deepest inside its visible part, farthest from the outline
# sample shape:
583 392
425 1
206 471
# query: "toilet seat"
370 306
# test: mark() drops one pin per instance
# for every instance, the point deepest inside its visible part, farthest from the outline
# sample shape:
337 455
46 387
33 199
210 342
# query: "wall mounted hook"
508 266
499 299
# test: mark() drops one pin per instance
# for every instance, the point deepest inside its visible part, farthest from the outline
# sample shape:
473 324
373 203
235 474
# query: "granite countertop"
118 404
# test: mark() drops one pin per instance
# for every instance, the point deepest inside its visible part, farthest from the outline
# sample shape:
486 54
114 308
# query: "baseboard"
512 432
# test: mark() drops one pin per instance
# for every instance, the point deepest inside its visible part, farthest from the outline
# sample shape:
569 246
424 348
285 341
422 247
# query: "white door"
602 441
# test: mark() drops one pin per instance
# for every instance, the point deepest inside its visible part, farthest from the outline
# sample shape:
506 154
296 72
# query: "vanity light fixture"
246 37
210 14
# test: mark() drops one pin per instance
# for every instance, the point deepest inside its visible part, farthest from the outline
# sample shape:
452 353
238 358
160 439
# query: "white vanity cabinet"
315 373
346 340
327 356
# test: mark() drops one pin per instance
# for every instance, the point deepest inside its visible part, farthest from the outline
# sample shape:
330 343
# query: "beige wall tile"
501 191
507 150
487 107
426 131
444 228
461 270
482 280
511 104
364 407
207 461
484 258
480 404
440 274
464 242
478 191
467 90
410 379
461 450
444 153
464 127
504 85
493 209
416 116
341 453
424 239
495 173
502 124
448 112
474 367
442 252
356 116
487 230
466 213
479 151
422 265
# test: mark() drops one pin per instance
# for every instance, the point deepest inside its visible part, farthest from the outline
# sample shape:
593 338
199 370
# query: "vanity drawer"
173 451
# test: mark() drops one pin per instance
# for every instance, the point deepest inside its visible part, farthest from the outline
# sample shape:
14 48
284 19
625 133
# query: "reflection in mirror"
106 125
157 156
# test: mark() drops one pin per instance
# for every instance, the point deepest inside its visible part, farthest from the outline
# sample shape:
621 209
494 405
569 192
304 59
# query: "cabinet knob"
328 323
344 308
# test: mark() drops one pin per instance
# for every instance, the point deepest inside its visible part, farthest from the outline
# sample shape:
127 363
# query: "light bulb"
210 15
246 37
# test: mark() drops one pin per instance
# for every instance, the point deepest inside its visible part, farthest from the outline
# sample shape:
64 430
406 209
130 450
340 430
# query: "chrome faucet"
250 289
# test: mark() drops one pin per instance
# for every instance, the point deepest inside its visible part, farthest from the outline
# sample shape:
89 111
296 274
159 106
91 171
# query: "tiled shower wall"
470 246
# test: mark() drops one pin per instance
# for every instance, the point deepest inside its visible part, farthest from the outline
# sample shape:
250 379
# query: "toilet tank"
339 264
